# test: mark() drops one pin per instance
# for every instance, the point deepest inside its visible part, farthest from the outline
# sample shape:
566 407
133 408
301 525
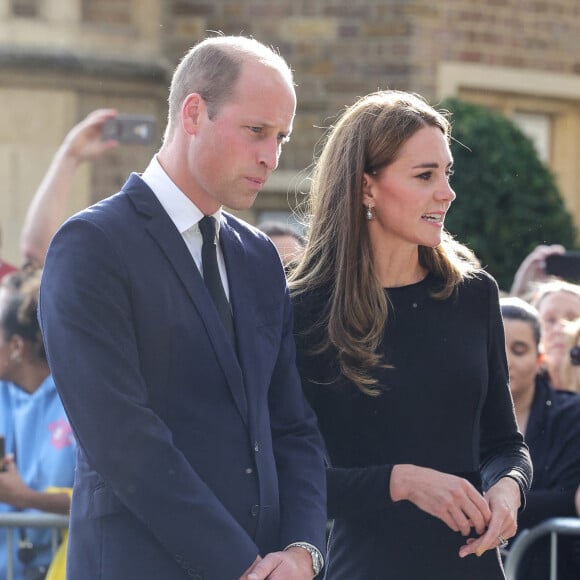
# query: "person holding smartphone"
48 208
558 305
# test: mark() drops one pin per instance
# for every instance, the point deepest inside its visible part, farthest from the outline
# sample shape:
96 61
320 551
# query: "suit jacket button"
255 510
256 447
249 471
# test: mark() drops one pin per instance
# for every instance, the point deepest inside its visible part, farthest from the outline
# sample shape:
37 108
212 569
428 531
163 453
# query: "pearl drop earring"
370 214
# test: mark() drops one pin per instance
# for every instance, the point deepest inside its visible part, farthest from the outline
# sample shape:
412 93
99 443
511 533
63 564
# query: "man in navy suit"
198 456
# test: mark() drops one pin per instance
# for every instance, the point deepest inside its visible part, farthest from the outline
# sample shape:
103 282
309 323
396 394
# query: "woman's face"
522 356
411 196
555 310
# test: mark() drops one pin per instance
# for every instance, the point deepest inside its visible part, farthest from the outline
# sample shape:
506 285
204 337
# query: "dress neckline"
407 286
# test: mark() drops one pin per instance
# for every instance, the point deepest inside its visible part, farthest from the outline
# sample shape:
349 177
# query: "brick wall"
527 34
340 49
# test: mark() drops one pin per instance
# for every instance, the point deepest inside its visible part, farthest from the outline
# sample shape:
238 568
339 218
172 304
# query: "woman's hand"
452 499
503 499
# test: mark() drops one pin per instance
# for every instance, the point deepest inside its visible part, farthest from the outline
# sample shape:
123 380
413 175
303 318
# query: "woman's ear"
367 197
17 348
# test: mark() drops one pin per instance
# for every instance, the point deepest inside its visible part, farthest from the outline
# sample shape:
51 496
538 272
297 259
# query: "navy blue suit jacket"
192 459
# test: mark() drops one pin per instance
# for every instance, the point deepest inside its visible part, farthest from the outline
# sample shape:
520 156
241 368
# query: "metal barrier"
552 526
11 520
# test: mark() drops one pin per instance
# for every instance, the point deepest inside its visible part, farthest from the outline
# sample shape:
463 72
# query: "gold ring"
502 541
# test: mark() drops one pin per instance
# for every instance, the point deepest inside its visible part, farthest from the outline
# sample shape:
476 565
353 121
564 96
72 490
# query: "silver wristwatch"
317 561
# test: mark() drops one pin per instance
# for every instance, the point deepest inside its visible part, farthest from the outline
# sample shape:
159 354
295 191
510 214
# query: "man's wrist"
315 555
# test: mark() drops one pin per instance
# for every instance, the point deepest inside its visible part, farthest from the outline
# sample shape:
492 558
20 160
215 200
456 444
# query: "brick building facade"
59 59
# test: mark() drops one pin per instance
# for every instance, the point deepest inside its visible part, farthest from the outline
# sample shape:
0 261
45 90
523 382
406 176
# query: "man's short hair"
213 66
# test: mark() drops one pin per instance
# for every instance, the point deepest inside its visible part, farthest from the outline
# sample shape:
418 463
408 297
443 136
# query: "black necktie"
211 274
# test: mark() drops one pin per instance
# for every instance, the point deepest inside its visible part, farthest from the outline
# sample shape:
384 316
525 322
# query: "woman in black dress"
401 348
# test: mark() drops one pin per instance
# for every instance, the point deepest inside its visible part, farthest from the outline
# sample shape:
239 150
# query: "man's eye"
257 130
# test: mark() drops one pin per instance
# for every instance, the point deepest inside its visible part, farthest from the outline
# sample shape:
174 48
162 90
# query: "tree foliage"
507 200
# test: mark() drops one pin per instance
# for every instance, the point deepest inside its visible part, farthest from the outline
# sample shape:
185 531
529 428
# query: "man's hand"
291 564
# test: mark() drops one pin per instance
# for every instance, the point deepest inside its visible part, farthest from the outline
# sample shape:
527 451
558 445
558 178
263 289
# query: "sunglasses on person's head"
575 355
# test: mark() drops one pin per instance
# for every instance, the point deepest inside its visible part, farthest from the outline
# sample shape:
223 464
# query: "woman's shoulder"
309 308
309 301
479 281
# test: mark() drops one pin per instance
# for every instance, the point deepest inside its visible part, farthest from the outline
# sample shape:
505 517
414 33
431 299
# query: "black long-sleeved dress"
445 405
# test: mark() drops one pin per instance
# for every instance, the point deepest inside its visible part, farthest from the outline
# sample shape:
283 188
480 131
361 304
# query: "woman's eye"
425 176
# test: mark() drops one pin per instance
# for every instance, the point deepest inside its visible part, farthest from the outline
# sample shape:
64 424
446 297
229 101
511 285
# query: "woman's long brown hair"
338 257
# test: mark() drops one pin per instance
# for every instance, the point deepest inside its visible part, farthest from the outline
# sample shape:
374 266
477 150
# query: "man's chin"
243 204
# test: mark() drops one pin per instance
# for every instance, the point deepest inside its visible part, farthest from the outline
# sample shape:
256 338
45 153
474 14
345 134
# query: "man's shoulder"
246 231
242 226
118 207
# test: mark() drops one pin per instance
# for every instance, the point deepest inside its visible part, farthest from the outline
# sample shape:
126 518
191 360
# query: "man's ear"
191 111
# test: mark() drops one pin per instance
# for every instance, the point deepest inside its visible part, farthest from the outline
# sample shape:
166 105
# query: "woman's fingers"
450 498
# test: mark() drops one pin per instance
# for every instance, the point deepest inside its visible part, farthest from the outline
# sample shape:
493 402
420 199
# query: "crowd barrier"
11 520
554 527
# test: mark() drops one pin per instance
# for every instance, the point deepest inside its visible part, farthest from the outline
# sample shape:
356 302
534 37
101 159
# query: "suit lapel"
171 243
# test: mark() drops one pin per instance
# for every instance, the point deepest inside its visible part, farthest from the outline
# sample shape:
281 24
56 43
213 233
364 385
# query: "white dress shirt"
184 214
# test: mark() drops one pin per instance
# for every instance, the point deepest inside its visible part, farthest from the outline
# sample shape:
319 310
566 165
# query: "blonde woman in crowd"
558 303
570 366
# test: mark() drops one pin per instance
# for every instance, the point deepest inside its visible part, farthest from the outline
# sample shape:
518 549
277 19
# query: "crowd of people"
223 391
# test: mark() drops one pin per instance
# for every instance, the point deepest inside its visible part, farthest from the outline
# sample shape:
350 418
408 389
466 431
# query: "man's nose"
269 154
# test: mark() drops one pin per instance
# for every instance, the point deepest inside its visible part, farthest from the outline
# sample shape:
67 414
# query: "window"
537 127
108 12
25 8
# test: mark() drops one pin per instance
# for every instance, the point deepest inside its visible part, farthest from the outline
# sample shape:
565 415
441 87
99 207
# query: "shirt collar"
182 211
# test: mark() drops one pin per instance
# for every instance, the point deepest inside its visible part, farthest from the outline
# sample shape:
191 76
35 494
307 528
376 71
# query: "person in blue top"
40 449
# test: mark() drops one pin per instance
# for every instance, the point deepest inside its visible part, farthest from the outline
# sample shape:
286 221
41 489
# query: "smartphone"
565 265
133 129
2 452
